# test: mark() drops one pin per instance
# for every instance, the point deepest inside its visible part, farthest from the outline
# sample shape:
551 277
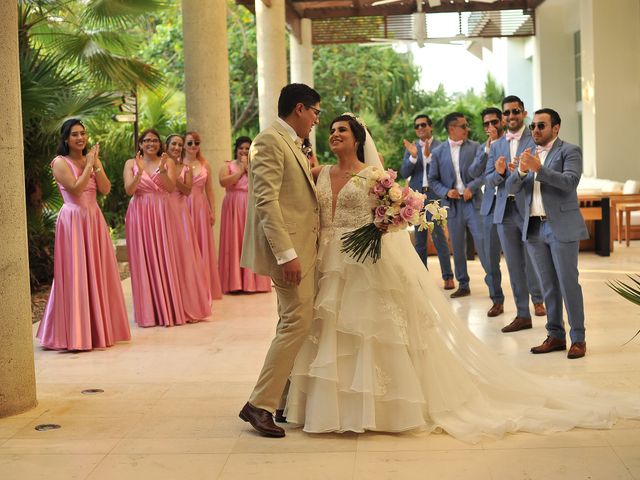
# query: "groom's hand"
292 272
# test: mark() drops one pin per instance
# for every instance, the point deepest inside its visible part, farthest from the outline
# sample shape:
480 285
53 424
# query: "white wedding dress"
387 353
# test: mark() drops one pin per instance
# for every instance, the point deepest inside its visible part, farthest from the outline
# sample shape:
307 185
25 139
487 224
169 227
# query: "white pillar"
272 57
553 65
206 70
17 371
610 34
301 61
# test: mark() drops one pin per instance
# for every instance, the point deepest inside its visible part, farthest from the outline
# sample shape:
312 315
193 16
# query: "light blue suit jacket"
442 175
414 170
494 179
558 177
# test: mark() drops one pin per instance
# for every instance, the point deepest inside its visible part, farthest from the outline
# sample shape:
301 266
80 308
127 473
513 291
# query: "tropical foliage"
629 292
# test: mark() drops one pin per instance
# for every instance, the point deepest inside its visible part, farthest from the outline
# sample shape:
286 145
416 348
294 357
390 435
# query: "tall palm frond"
629 292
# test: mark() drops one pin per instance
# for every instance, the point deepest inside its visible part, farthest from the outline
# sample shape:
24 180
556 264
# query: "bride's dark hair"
358 133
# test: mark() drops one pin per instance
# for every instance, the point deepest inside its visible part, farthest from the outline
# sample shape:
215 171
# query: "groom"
280 240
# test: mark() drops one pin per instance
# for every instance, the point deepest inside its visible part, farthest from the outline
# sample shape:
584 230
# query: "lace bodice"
353 206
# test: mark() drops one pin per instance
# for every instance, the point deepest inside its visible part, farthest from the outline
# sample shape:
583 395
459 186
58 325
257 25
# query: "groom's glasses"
317 111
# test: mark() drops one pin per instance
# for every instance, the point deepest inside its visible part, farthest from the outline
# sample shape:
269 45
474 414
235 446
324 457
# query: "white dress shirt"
290 254
537 207
513 147
455 158
425 161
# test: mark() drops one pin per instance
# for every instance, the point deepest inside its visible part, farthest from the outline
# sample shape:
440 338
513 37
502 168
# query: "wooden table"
624 217
595 208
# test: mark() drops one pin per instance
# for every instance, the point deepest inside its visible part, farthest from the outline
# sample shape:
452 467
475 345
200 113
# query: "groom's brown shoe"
551 344
261 420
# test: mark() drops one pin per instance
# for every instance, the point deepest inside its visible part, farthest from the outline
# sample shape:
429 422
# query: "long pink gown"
86 306
191 266
234 278
153 243
199 207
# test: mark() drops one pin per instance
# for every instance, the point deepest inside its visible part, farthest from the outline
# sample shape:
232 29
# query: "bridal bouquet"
394 208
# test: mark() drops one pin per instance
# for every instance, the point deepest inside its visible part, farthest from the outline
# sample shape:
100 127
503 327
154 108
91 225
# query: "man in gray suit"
553 228
450 179
493 127
508 213
415 167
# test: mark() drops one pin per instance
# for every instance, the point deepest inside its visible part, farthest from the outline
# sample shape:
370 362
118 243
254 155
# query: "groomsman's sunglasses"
493 122
421 125
513 111
540 126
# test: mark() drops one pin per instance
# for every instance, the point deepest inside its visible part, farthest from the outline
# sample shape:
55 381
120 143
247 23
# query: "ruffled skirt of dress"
387 353
233 277
86 307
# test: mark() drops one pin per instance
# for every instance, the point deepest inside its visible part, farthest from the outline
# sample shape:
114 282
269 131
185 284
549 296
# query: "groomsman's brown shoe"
448 284
551 344
461 292
261 420
577 350
279 416
518 324
495 310
539 309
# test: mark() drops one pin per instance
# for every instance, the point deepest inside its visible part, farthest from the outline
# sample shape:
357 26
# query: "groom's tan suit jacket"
282 212
282 224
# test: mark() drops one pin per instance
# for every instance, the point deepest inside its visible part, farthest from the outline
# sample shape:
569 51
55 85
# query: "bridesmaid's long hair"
65 133
358 133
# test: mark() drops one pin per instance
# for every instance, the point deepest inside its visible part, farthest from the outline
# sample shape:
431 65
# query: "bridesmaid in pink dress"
153 240
192 268
86 307
202 206
233 177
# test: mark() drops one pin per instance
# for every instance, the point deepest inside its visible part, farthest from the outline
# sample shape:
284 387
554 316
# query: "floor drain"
92 391
43 427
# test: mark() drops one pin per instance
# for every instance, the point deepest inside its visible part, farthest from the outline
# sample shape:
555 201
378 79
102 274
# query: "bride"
386 351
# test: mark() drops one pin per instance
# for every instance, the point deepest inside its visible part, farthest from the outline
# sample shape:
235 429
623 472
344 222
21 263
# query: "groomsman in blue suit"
450 179
553 228
508 213
415 167
493 127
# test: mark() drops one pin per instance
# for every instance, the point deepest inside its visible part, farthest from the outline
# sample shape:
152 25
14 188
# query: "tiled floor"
171 398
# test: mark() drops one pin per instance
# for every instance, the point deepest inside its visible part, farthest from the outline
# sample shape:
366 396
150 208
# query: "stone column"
272 57
610 87
301 61
17 371
206 70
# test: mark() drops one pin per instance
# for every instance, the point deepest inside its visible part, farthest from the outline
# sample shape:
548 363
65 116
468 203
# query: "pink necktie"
513 136
455 143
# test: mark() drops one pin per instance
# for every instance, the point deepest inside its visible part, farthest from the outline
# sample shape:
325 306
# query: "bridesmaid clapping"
152 241
86 307
233 177
202 207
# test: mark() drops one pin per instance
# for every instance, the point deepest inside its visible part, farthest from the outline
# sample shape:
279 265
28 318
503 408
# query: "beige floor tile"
210 389
296 441
419 441
622 437
159 467
289 466
175 446
207 407
58 446
79 427
594 463
630 456
152 426
12 425
47 467
426 465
